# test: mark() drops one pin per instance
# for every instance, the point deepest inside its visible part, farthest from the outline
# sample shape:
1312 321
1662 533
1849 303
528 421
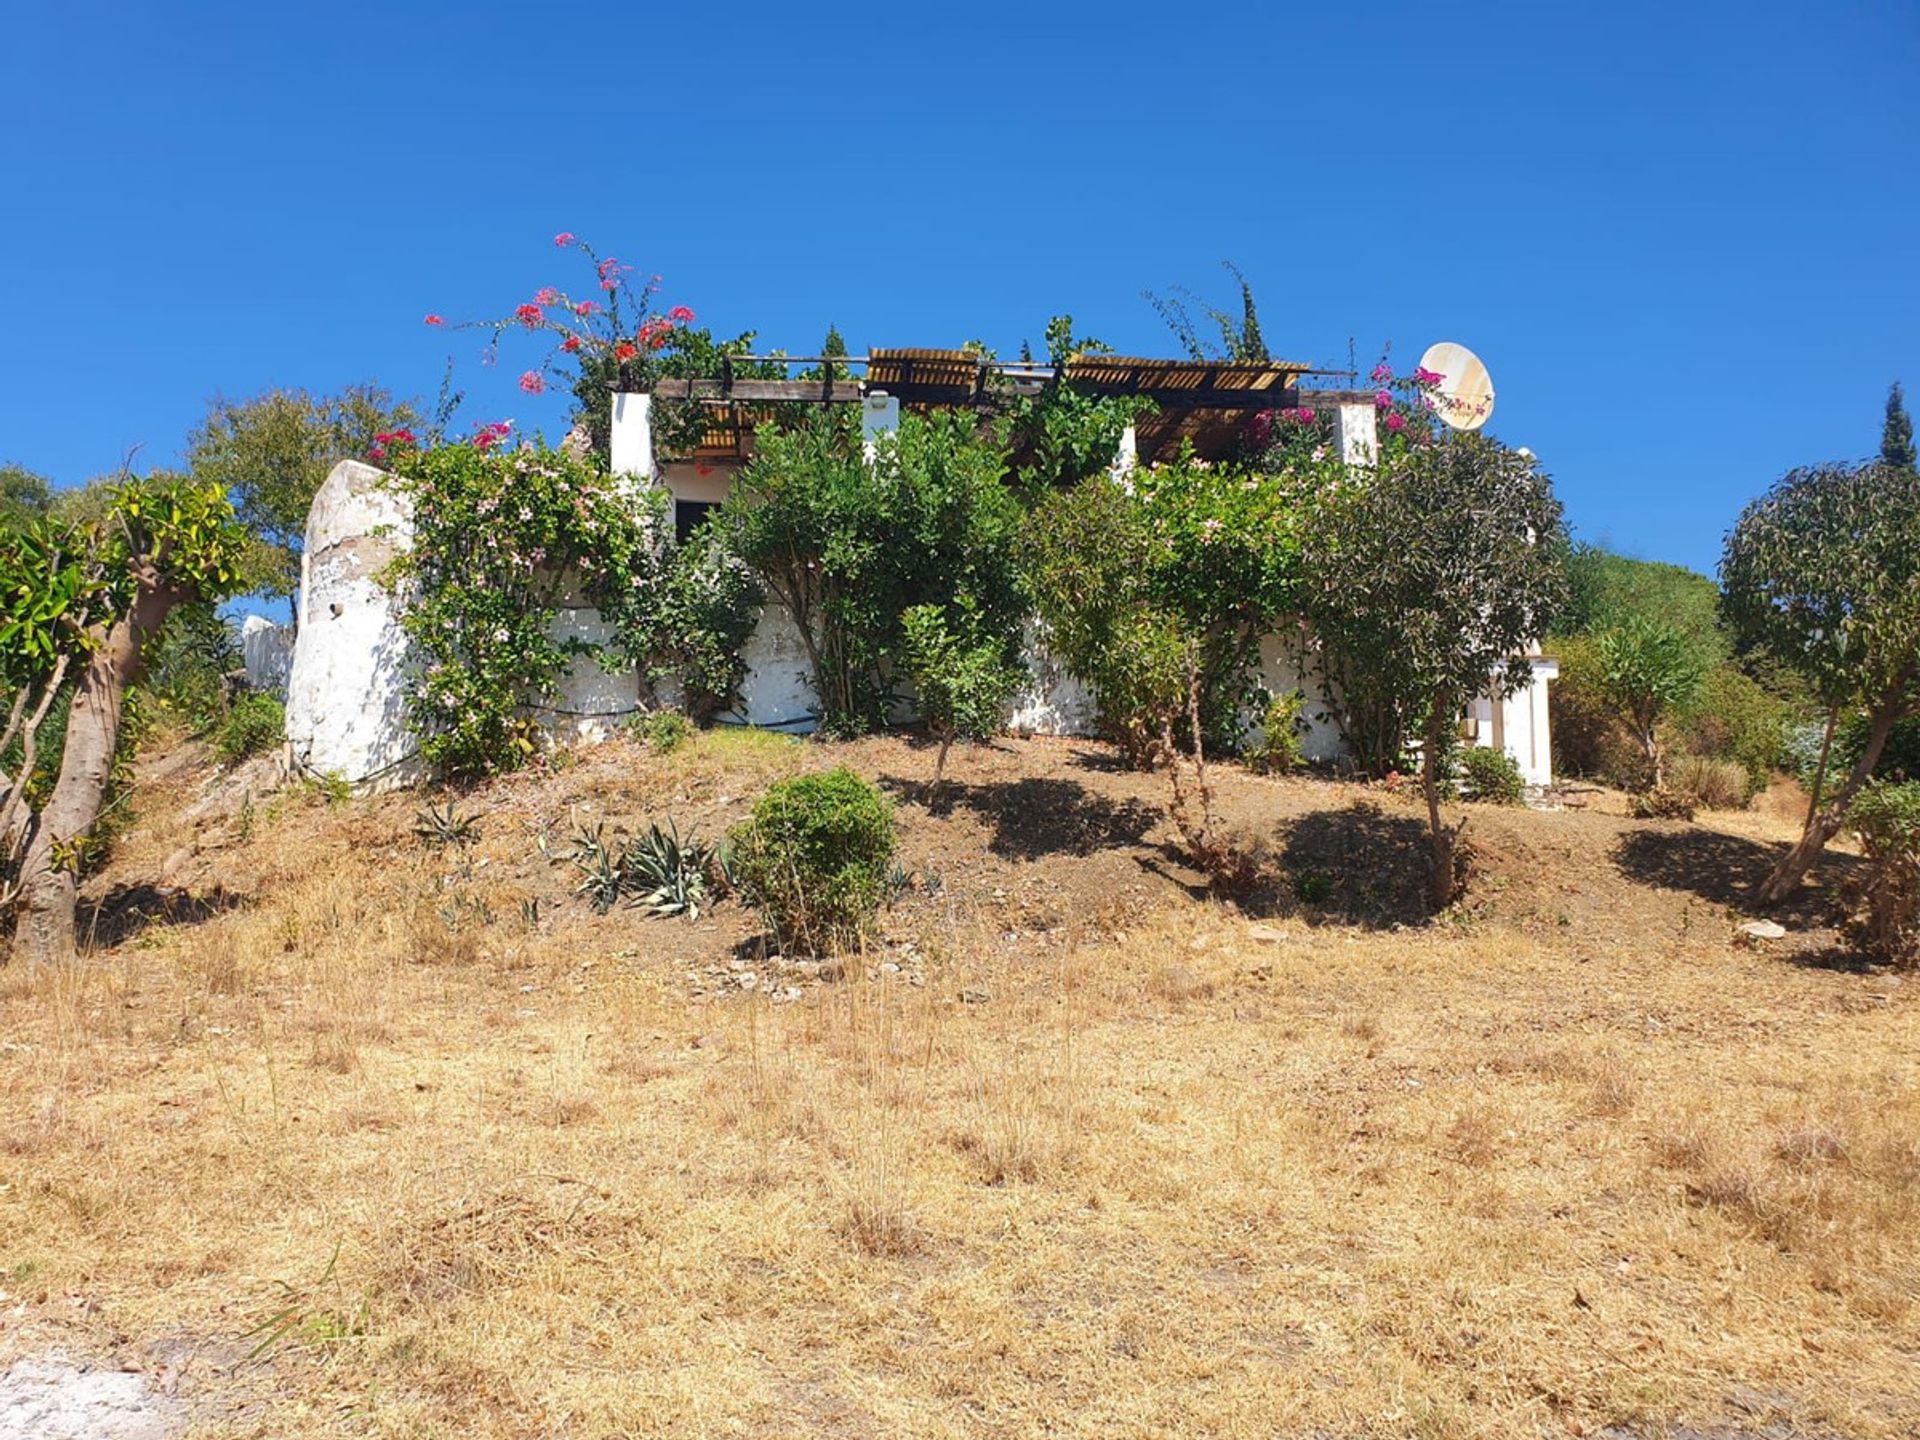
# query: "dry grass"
1155 1178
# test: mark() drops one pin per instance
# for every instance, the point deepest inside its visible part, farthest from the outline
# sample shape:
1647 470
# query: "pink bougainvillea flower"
545 295
1382 373
680 315
529 315
563 239
1424 376
587 307
1396 422
435 320
1306 417
1384 400
532 383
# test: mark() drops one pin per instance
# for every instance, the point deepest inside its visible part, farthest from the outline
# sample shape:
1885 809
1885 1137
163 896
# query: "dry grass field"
337 1134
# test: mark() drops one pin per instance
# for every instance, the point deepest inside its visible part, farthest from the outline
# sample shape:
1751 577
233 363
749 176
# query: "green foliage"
1491 776
272 452
664 730
1428 577
23 494
254 724
816 860
1736 718
1647 671
443 826
1130 576
1063 435
188 664
1240 337
1589 737
848 546
1884 911
602 874
1896 434
963 675
502 539
1606 591
708 607
1282 725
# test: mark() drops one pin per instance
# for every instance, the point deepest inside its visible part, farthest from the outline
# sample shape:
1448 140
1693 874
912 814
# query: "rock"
1764 930
1267 935
54 1399
974 995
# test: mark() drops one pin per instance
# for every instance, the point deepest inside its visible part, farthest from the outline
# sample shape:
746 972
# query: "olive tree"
80 604
1435 571
1824 569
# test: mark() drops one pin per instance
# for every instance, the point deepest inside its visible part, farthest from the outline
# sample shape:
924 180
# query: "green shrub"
1884 908
816 860
1737 719
1492 776
664 730
255 723
964 677
1277 750
1589 738
1710 784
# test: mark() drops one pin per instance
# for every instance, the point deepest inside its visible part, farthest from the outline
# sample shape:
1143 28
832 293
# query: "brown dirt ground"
1075 1150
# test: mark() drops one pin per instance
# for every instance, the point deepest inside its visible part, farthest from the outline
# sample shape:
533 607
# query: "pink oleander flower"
563 239
1396 422
680 315
435 320
1383 400
532 383
529 315
546 295
1382 373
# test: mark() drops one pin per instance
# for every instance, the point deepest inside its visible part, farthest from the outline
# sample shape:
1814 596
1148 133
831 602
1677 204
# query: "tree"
1436 570
1824 570
23 493
81 604
1896 435
271 453
1647 671
1240 337
961 673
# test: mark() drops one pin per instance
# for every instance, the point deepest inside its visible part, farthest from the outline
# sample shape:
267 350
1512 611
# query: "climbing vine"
503 539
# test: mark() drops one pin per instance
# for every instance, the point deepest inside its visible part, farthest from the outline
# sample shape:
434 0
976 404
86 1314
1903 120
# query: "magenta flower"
1382 373
1424 376
1383 400
546 295
563 239
587 307
680 315
532 383
1396 422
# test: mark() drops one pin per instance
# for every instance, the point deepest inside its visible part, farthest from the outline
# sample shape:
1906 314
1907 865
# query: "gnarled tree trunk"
49 879
1824 821
1443 882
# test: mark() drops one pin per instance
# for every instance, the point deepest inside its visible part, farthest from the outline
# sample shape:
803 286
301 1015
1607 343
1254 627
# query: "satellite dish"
1464 396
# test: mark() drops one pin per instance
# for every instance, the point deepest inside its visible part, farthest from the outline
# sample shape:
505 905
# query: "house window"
688 516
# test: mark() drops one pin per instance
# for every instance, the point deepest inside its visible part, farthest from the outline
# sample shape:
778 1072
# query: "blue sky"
1685 238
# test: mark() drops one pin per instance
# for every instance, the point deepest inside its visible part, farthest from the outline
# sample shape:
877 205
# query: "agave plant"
671 875
602 874
443 827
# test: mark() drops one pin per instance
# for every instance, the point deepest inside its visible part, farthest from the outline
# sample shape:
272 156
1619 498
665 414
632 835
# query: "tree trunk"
1823 825
49 879
1443 882
1820 770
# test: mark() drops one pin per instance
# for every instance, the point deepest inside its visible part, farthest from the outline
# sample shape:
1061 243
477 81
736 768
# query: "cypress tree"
1896 436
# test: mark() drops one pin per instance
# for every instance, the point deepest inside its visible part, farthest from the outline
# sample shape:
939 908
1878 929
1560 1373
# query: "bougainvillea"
503 539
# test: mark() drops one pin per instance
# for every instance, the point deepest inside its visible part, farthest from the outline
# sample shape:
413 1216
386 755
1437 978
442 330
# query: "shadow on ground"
1359 865
1038 816
1728 870
126 910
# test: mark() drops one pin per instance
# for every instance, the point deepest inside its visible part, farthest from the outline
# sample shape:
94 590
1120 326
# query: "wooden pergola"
1204 402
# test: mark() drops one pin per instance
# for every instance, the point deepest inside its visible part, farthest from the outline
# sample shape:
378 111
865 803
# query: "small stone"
890 967
974 995
1267 935
748 979
1764 930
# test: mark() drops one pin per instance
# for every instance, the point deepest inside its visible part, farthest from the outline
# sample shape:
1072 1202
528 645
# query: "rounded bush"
1492 776
816 859
255 724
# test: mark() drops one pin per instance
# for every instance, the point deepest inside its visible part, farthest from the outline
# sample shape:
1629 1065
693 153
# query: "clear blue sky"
1685 238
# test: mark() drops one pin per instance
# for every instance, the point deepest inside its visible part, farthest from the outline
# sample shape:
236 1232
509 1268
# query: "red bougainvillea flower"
680 315
570 344
563 239
435 320
485 437
587 307
625 350
529 315
532 383
545 295
1383 400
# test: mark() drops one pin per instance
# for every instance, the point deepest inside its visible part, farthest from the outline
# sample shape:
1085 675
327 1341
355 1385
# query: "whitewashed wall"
266 652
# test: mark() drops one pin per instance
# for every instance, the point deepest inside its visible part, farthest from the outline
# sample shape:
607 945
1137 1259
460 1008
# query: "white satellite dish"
1464 396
